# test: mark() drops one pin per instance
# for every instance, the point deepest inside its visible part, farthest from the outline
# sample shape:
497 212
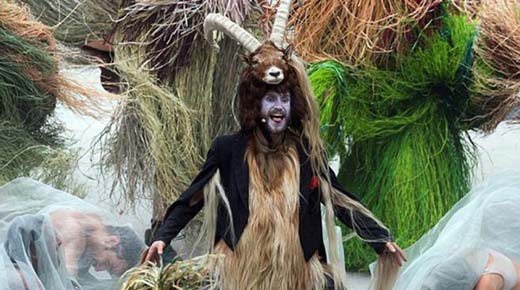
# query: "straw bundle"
404 130
179 275
497 72
359 31
31 46
21 154
30 87
164 42
150 142
76 21
17 20
170 30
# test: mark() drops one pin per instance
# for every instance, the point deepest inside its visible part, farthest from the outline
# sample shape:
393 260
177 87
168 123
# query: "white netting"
51 240
454 253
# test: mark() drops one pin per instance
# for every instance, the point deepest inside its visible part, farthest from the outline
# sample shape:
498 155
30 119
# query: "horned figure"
261 188
270 65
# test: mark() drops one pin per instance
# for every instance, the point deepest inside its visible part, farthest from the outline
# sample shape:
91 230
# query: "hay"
30 87
22 102
167 43
150 142
32 48
497 72
170 30
17 20
180 275
359 32
404 129
208 86
76 22
22 154
20 150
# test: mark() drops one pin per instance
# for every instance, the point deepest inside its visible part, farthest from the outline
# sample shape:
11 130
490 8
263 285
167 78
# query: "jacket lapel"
240 167
305 177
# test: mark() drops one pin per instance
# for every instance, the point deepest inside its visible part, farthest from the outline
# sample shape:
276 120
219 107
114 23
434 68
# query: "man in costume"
262 187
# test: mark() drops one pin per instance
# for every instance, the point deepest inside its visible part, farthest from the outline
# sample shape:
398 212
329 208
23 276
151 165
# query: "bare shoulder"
73 223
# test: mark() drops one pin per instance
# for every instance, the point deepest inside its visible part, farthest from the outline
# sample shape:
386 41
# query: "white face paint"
276 110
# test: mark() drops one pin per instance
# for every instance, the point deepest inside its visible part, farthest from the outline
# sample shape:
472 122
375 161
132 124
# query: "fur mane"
251 90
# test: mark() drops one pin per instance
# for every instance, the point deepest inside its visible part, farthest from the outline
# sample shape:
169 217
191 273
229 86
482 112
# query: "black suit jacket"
227 154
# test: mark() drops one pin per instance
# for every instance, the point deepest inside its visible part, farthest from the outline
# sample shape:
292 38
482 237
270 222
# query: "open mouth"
277 118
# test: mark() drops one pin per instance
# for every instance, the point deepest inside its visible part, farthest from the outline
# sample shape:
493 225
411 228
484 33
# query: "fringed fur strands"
497 71
268 255
213 196
150 143
386 274
76 22
360 31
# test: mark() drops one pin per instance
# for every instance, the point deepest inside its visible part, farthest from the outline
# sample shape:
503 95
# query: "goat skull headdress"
270 67
268 59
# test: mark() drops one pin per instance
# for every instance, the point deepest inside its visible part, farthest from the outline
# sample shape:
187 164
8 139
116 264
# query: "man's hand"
394 253
155 251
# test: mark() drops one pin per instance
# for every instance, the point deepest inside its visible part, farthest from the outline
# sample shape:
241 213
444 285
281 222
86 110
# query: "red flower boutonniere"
315 182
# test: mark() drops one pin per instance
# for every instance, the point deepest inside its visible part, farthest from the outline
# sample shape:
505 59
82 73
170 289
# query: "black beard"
265 131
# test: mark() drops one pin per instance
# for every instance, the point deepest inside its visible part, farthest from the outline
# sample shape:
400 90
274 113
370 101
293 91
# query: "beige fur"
269 254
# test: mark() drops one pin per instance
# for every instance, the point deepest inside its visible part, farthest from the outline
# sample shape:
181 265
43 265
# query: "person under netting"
62 248
475 246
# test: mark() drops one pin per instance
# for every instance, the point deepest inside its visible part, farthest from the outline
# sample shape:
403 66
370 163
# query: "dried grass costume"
262 203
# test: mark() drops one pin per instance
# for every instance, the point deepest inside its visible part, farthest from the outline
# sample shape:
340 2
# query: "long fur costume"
268 255
273 198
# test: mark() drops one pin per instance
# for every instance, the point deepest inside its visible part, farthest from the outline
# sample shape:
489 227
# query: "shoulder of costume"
229 139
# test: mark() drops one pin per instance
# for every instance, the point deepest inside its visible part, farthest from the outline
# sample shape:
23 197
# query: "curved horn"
280 22
221 23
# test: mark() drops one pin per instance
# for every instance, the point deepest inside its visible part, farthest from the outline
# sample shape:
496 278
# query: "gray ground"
357 281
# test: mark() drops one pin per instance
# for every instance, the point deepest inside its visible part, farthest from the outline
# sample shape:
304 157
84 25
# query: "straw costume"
31 86
399 87
261 188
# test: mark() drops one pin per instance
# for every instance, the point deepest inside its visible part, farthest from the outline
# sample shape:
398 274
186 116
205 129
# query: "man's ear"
288 52
112 241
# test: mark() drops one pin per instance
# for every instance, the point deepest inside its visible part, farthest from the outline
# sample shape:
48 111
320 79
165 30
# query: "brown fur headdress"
263 61
251 90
